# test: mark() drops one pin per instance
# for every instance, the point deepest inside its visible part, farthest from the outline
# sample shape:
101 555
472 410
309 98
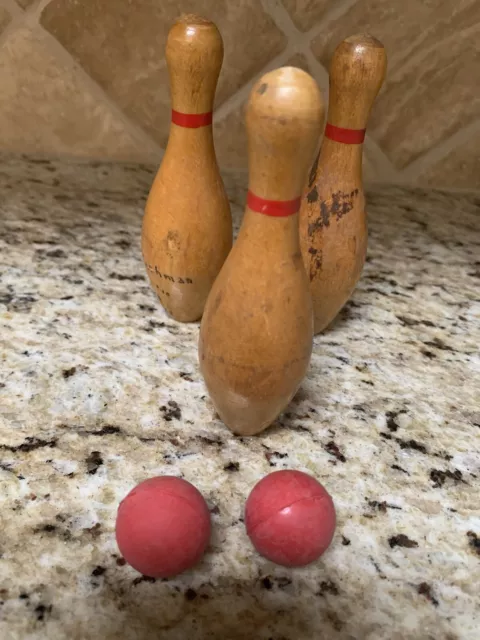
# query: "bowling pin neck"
339 159
194 55
337 163
284 116
265 234
188 145
357 71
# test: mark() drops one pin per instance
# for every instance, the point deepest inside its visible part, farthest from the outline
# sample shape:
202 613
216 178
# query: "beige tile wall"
87 77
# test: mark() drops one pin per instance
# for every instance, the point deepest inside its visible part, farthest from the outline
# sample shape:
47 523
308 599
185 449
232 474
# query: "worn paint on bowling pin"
333 223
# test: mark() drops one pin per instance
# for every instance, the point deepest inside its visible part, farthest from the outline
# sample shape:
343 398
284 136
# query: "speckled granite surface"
99 390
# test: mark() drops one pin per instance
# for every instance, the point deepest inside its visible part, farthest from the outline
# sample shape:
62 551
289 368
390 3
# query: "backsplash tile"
101 66
432 52
230 133
4 18
124 50
231 140
460 169
299 60
24 3
305 13
45 106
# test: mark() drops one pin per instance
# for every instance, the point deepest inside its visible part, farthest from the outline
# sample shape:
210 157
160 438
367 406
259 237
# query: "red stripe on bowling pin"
274 208
346 136
191 120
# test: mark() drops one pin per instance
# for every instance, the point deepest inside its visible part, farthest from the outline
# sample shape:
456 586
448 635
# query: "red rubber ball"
290 518
163 526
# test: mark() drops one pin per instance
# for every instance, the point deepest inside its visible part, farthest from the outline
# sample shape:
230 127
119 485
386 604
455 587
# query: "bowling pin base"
325 323
249 418
183 298
328 311
248 412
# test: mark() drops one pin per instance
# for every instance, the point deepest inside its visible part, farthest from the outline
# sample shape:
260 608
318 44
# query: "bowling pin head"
194 55
284 117
357 71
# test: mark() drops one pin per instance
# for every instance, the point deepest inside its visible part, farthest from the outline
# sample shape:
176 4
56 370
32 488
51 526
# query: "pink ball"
290 518
163 526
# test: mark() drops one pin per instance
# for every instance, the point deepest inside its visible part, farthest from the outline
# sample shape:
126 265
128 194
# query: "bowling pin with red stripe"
333 225
187 226
257 329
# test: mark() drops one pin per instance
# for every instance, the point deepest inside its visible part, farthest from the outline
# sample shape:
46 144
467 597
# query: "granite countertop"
99 390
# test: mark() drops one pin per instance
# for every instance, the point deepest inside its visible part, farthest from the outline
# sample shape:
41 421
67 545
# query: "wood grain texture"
333 224
256 333
187 227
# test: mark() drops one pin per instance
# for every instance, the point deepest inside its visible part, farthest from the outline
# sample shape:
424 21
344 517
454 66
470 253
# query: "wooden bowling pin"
187 226
333 225
257 329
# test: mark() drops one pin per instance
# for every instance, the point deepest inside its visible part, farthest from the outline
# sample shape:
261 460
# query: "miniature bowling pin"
257 329
333 225
187 226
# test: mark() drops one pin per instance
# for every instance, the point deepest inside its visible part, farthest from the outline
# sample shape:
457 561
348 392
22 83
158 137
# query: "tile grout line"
337 11
12 7
318 69
15 23
240 96
282 19
138 134
439 151
382 164
17 20
36 8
